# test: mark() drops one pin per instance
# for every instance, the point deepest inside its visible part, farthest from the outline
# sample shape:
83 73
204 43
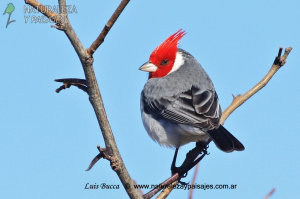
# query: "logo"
33 16
10 8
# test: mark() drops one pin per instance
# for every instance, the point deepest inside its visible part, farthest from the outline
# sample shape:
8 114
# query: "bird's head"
165 58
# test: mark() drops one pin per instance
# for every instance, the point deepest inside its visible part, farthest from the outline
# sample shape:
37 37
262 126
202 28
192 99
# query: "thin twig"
240 99
193 181
162 185
97 158
270 193
166 192
107 27
45 11
95 98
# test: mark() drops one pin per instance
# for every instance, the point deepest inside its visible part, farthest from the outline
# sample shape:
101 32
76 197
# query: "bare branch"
270 193
62 7
240 99
112 153
95 98
166 192
193 181
47 12
97 158
107 27
162 185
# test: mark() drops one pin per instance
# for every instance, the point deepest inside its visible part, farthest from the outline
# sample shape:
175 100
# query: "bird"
179 103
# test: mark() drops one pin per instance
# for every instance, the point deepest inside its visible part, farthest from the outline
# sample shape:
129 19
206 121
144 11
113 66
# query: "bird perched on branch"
179 103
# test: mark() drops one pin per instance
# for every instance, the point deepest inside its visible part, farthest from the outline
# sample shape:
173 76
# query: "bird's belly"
171 134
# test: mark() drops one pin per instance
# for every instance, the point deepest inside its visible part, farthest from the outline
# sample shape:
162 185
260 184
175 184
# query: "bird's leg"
179 170
196 161
191 159
174 169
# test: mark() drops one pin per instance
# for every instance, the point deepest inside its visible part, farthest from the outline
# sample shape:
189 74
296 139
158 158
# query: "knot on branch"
235 97
114 163
89 60
60 21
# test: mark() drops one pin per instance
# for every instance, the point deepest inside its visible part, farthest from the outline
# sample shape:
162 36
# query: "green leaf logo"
9 9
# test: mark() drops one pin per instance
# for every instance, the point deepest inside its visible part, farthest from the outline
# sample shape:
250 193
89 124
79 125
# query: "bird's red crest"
165 52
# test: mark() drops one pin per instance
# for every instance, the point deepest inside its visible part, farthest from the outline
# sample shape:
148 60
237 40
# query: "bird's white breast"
170 134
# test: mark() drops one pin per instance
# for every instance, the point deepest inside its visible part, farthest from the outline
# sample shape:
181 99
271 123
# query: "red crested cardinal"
179 103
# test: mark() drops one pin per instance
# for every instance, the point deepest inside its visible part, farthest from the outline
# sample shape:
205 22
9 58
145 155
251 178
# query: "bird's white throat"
179 61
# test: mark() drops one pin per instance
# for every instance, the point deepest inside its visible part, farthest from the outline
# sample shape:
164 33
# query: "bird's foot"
191 159
180 170
203 147
183 183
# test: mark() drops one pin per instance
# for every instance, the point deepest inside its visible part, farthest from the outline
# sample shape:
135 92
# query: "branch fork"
58 19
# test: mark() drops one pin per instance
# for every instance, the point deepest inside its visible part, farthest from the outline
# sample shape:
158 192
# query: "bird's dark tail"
225 141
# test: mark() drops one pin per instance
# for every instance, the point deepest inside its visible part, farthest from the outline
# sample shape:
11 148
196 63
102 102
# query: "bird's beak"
148 67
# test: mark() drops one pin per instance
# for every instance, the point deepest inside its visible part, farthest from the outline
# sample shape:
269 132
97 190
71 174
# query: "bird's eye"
164 62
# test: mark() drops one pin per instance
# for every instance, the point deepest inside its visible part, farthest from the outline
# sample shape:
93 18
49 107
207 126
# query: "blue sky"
47 139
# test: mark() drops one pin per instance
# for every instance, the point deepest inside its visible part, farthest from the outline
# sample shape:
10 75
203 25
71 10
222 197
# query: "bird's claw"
180 170
204 151
183 183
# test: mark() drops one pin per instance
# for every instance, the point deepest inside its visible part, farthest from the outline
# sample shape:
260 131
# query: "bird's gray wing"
196 107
